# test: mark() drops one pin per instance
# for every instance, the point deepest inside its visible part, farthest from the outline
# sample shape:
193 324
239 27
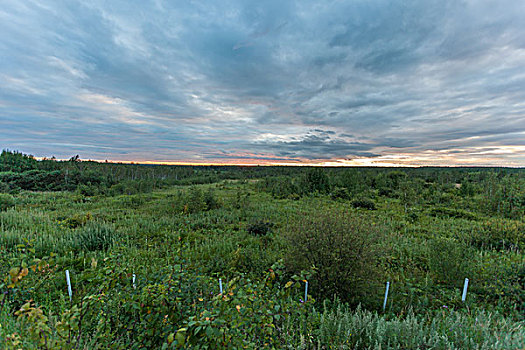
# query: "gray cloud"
267 81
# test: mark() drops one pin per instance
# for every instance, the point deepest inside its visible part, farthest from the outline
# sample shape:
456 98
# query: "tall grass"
342 328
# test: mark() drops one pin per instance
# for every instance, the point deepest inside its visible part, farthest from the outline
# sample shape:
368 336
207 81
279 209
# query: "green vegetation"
263 231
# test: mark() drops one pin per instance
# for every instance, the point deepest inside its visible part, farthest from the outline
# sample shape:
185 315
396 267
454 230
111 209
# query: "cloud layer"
345 82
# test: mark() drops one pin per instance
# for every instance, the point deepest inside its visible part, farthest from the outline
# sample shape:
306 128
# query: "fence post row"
463 296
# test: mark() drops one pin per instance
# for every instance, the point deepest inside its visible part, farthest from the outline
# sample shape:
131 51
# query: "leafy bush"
259 228
250 315
76 220
450 262
500 234
340 193
4 187
364 202
281 187
453 213
316 180
341 247
195 201
211 200
87 190
6 201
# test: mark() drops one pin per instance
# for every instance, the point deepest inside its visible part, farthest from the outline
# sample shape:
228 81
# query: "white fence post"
69 290
386 295
220 284
306 291
465 286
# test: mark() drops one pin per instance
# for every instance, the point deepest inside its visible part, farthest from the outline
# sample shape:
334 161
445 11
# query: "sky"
368 82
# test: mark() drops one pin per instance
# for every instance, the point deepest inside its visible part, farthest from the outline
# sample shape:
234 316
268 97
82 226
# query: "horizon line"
329 164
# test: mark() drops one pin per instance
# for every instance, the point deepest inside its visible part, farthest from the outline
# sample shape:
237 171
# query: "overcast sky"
334 82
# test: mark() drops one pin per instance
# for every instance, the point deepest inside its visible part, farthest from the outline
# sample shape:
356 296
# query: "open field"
263 232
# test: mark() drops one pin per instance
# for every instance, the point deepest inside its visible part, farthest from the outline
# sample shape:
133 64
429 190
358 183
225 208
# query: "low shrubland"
145 263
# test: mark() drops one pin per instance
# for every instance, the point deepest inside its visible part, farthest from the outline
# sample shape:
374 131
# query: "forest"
100 255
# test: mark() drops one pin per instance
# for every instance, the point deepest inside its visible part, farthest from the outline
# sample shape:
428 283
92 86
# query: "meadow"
146 246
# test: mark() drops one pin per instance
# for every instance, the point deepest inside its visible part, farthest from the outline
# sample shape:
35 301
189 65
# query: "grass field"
178 241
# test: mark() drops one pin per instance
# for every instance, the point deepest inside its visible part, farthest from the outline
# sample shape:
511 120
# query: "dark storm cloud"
319 144
273 80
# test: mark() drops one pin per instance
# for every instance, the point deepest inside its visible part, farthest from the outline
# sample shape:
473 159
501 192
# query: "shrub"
87 190
341 247
340 193
500 234
4 187
76 220
210 200
453 213
195 201
259 228
316 180
281 187
450 261
6 201
364 202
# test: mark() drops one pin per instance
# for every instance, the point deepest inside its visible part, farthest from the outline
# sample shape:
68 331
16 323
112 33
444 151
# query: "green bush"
450 262
316 180
281 187
500 234
340 193
364 202
260 228
76 220
452 213
4 187
195 201
6 201
87 190
211 200
343 250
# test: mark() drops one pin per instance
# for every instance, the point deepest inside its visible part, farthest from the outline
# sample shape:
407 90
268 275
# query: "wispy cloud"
382 82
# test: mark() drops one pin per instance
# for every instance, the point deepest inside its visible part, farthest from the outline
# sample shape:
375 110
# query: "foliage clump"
6 201
197 200
450 261
260 228
316 180
340 193
94 236
76 220
365 203
341 247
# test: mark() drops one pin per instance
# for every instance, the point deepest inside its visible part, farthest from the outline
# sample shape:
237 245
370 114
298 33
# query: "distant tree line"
452 191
